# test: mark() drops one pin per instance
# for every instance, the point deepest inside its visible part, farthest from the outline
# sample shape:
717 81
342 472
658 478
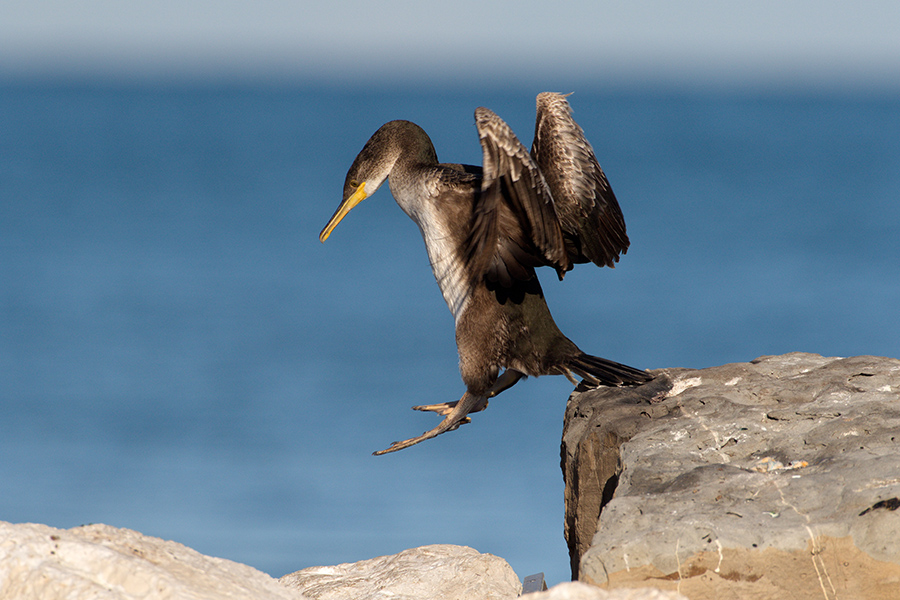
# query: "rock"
440 571
770 479
105 563
581 591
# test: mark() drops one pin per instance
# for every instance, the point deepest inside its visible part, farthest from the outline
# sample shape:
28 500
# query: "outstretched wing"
514 225
590 217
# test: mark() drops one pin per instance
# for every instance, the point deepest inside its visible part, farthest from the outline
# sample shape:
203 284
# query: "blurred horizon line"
734 73
872 80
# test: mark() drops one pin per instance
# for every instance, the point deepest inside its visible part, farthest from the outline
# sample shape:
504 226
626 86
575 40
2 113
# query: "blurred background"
180 355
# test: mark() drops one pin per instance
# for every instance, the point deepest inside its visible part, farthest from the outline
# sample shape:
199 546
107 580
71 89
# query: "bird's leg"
508 379
504 382
445 408
455 416
455 413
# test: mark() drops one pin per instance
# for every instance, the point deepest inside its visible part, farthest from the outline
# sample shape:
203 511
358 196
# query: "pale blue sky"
363 40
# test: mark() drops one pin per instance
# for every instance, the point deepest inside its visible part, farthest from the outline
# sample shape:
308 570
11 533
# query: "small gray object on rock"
534 583
774 478
440 571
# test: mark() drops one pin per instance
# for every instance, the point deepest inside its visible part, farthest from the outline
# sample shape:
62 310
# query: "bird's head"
372 166
355 191
375 162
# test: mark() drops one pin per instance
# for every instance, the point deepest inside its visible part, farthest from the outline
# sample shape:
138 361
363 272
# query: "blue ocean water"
181 356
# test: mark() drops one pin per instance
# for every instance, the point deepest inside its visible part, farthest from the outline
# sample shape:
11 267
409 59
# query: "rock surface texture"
99 562
778 478
438 571
106 563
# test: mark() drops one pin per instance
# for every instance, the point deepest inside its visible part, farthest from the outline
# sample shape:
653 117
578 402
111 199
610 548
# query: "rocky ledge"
770 479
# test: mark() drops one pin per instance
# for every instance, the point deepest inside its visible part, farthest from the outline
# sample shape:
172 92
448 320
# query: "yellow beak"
346 206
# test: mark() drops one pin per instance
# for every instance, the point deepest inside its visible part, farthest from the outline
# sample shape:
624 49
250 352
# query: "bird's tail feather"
600 371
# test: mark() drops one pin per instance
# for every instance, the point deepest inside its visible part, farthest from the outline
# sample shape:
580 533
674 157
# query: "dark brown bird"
487 229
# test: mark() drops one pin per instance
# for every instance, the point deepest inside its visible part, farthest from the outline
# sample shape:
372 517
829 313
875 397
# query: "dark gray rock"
776 477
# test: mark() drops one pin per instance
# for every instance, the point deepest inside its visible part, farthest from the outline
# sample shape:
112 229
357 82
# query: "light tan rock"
439 571
581 591
100 562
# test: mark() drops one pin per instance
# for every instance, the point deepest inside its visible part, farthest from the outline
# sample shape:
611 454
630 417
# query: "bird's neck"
445 256
414 177
409 183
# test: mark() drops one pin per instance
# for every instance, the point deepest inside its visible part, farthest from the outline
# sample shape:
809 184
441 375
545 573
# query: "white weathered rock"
439 571
581 591
106 563
769 479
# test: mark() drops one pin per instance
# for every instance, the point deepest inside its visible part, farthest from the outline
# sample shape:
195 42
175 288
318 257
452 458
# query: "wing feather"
589 214
514 224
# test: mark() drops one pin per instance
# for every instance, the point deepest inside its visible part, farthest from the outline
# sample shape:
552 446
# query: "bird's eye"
354 183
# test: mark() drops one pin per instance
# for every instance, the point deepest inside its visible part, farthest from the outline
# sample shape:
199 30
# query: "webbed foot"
454 415
445 408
